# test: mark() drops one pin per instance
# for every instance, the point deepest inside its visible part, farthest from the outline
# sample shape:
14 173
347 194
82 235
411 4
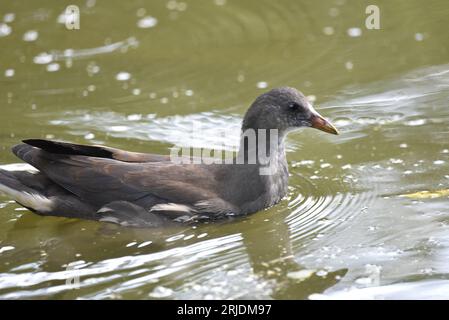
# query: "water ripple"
212 130
320 207
404 100
67 54
160 264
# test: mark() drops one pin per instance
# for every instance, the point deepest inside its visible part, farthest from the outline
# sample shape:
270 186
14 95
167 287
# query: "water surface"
139 75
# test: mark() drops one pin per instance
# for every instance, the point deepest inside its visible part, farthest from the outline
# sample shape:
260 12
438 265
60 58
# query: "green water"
343 230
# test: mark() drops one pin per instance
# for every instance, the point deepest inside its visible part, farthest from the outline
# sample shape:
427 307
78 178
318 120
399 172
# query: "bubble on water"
144 244
5 30
147 22
300 275
69 53
134 117
171 5
220 2
53 67
346 166
396 161
43 58
303 163
9 17
153 95
419 36
119 128
9 73
174 238
6 248
136 91
92 68
321 273
415 123
445 151
161 292
90 3
354 32
439 162
407 172
69 63
403 146
367 120
341 122
30 36
189 93
131 244
328 31
262 85
364 281
325 165
175 5
349 65
164 100
91 88
123 76
89 136
311 98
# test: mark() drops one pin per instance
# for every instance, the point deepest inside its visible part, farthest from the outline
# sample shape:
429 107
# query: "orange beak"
318 122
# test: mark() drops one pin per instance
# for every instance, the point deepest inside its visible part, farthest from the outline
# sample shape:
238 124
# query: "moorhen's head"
284 109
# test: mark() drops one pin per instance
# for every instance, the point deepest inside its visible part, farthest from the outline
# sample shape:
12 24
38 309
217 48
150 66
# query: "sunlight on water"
206 129
366 213
210 130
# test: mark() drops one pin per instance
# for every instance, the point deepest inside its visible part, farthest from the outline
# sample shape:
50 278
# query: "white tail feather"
34 201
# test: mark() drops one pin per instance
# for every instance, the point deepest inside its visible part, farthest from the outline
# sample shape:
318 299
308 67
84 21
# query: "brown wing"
99 181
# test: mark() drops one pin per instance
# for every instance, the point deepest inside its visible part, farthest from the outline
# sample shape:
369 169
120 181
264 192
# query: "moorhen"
137 189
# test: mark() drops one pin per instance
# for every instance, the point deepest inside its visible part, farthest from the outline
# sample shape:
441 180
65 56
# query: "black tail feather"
57 147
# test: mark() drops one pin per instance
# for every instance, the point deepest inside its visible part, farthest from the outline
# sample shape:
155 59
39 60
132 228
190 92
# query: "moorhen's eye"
294 106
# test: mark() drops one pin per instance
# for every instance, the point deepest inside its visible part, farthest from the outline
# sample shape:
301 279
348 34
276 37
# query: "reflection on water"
69 54
345 229
203 130
428 289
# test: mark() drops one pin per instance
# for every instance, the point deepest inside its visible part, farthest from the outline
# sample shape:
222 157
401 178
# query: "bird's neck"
262 147
263 156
